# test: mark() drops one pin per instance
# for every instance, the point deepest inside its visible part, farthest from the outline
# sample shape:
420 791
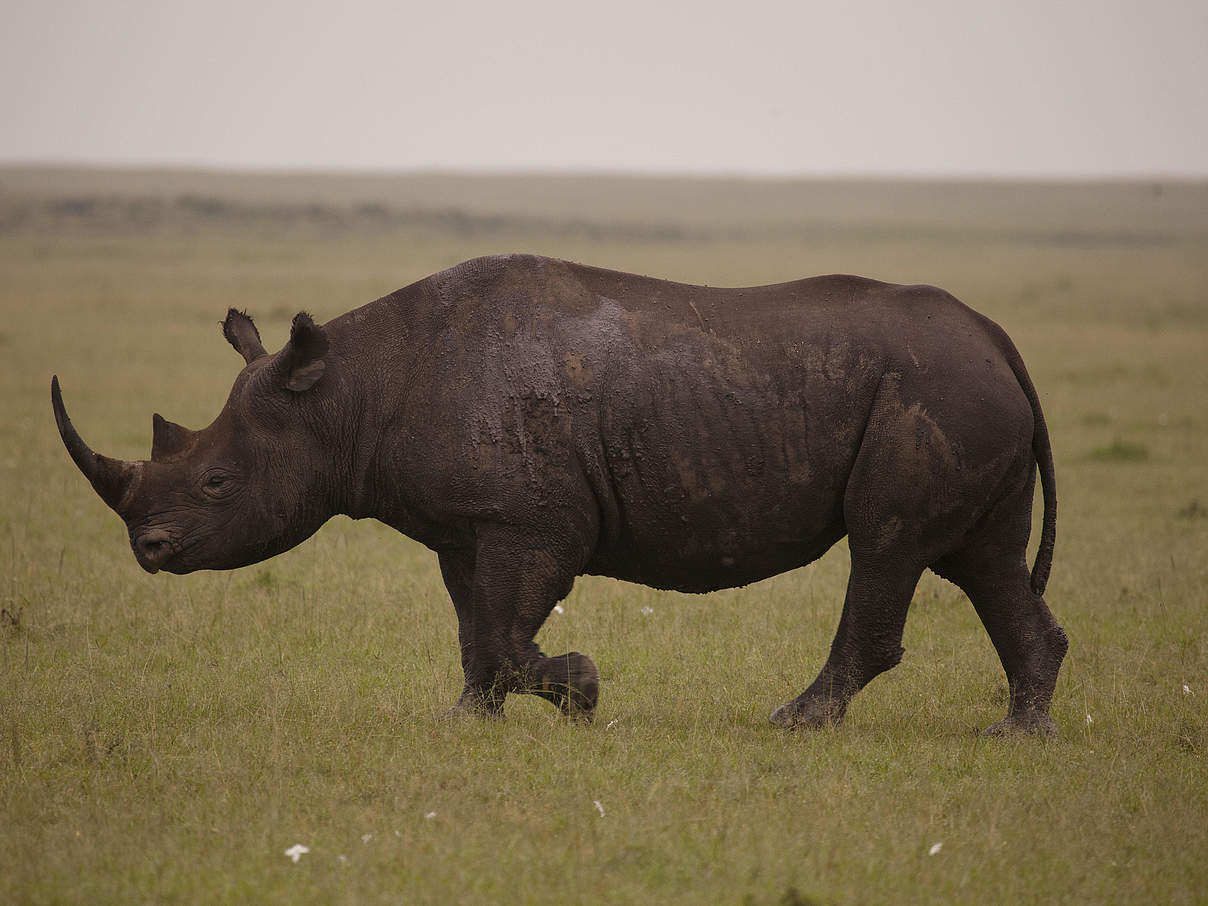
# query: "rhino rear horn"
110 478
169 439
241 333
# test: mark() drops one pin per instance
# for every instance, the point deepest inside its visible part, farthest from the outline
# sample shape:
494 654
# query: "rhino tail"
1043 453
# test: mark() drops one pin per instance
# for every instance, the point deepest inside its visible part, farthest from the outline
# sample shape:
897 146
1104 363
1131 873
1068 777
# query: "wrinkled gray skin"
532 420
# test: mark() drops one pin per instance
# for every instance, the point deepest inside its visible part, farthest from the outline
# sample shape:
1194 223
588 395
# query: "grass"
166 739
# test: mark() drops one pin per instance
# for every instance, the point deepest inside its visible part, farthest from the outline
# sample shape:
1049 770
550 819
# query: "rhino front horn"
110 478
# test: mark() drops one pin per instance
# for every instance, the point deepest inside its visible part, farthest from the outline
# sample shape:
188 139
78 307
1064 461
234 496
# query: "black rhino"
532 420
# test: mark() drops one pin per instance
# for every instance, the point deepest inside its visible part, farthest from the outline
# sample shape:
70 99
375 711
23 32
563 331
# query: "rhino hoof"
472 707
1027 724
812 714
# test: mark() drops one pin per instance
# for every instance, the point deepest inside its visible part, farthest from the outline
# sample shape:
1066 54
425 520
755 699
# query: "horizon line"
718 174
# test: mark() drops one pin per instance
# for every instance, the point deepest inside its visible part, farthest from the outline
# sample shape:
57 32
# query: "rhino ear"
301 363
169 439
243 335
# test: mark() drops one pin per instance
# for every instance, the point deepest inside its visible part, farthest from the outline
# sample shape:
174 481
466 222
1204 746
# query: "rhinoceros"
531 420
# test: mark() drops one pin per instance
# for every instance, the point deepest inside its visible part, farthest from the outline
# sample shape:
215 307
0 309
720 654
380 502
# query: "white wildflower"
599 808
647 611
365 838
935 848
343 859
297 851
429 816
1089 720
558 609
1186 689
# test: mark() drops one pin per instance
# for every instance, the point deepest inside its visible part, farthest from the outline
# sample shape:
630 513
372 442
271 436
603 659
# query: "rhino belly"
720 514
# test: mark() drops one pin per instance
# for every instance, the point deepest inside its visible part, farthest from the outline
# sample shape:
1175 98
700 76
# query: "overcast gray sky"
922 87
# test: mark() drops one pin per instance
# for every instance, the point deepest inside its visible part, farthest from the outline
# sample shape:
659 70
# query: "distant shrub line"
107 214
113 214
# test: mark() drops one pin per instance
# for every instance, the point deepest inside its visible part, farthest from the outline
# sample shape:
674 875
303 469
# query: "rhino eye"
217 483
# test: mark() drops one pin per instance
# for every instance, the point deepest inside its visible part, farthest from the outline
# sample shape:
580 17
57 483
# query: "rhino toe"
472 705
1030 723
812 714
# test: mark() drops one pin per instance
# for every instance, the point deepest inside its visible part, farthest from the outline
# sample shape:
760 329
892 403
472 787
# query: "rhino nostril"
153 548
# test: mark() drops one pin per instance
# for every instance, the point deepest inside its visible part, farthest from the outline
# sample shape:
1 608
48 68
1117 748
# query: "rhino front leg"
570 681
457 570
503 595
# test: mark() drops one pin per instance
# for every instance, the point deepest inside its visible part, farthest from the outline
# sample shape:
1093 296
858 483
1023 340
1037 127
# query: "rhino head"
246 488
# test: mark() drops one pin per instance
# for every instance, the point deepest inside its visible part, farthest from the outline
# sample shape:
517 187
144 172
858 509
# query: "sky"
919 88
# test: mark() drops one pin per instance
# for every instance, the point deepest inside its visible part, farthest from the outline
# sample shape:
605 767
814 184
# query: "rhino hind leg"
867 643
1031 646
990 567
1029 641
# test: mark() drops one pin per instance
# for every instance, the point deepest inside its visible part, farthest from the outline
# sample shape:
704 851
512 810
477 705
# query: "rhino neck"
359 498
375 361
391 351
349 437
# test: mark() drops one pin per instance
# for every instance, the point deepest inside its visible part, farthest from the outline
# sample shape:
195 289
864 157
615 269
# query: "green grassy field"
166 739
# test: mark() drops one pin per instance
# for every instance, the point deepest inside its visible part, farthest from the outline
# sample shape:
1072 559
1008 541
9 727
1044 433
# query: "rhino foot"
1032 723
812 713
474 705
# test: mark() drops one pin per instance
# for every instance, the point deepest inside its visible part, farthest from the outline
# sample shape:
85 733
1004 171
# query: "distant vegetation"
106 215
109 214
